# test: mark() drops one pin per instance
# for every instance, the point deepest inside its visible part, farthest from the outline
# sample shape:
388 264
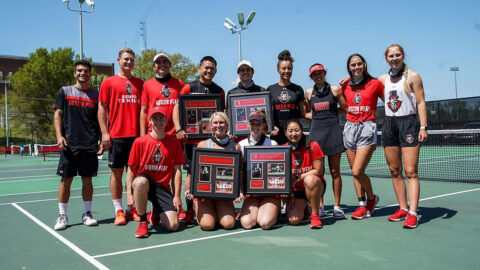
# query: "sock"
87 206
62 208
336 207
412 213
128 208
117 203
362 203
361 199
404 209
189 204
143 218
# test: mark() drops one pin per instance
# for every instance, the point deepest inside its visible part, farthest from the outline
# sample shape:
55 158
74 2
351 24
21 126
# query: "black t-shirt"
79 122
242 89
285 103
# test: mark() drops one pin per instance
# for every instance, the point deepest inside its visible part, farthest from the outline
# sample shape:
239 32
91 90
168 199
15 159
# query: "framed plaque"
215 174
240 106
268 170
195 111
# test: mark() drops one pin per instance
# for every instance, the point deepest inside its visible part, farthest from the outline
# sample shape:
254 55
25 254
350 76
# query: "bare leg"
394 160
225 214
268 212
410 161
334 166
295 210
116 188
64 189
205 212
87 188
248 218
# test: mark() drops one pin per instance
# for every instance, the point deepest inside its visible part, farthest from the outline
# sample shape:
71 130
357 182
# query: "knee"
411 174
294 221
227 222
357 173
311 182
395 171
266 224
207 225
140 183
248 222
173 226
335 173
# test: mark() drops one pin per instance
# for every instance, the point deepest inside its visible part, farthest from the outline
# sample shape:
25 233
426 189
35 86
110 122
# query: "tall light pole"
455 69
230 25
144 34
80 11
6 103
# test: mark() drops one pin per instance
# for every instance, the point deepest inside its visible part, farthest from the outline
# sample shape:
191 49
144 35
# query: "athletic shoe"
120 218
87 219
142 230
61 223
411 222
181 214
400 214
153 218
283 211
188 217
360 213
371 205
132 215
315 222
338 213
321 211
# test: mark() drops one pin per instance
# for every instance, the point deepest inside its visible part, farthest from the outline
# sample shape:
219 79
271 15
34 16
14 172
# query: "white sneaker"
62 223
321 211
338 213
88 219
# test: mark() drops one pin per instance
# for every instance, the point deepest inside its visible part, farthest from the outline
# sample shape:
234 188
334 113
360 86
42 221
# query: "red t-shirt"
362 100
156 158
302 161
165 94
122 99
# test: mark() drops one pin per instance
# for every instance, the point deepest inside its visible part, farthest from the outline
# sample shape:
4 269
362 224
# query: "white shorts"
361 134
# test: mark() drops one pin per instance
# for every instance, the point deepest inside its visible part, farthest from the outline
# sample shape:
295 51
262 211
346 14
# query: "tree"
182 67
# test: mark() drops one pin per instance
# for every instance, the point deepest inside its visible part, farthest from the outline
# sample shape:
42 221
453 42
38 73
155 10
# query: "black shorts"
188 153
161 198
119 152
75 162
300 194
400 131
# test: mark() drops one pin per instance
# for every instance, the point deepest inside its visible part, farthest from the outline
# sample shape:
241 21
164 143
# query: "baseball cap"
256 116
160 55
157 109
244 62
317 67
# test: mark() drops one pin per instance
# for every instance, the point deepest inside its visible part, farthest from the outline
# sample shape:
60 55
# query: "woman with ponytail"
402 134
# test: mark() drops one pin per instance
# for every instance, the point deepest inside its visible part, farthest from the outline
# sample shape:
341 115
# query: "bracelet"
178 130
424 127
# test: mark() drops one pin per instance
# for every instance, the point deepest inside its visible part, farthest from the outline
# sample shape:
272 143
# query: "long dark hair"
366 75
304 140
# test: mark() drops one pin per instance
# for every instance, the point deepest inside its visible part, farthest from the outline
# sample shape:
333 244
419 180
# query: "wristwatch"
424 127
178 130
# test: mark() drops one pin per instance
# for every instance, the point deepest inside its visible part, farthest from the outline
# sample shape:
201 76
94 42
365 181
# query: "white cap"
244 62
160 55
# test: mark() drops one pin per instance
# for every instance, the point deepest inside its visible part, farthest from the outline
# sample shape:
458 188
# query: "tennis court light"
250 17
241 20
231 22
80 11
230 25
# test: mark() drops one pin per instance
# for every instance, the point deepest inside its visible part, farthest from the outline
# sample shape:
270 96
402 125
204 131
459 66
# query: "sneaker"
321 211
371 205
153 218
284 209
142 230
338 213
61 223
120 218
411 222
87 219
400 214
315 222
188 219
132 215
360 213
181 214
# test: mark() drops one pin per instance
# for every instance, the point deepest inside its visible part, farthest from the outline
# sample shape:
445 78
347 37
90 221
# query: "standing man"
245 73
154 159
77 132
120 100
205 85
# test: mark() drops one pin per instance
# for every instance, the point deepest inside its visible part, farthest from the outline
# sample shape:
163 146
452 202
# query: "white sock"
62 208
117 203
87 206
362 203
336 207
412 213
405 209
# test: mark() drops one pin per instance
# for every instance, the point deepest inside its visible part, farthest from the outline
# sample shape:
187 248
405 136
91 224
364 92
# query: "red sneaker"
181 214
360 213
371 205
315 222
153 218
120 218
188 217
400 214
132 215
411 222
142 230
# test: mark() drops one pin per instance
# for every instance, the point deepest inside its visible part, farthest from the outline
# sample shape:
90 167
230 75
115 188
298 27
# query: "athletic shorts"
75 162
119 152
361 134
400 131
161 198
300 194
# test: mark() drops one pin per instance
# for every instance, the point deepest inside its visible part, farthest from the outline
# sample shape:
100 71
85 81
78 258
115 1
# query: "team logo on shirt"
157 156
284 97
129 88
409 138
297 160
166 93
393 103
357 99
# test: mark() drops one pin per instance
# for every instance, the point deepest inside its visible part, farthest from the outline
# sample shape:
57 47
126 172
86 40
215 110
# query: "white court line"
46 191
38 179
246 231
52 199
69 244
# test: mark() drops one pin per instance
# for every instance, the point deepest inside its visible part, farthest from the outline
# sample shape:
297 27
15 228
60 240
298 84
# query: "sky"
436 35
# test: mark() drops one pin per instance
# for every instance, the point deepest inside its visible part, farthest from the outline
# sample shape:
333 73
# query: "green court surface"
447 236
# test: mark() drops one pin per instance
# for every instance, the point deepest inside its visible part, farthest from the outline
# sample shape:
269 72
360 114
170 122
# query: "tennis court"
447 236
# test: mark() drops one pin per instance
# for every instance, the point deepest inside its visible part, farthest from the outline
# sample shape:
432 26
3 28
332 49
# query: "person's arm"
181 134
337 93
308 109
177 201
318 168
58 118
131 171
102 121
143 120
417 86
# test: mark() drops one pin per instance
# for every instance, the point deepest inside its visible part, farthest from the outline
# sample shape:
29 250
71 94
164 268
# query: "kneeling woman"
308 186
261 210
209 211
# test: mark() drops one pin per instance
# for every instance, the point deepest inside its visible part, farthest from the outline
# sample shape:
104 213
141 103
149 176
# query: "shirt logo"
284 97
393 103
129 88
157 156
166 93
357 99
297 160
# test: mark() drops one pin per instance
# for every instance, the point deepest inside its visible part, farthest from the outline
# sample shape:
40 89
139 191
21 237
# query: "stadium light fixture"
6 82
80 11
230 25
455 70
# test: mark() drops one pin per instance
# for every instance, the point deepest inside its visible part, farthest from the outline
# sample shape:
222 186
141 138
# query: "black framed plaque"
240 106
215 173
195 111
268 170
